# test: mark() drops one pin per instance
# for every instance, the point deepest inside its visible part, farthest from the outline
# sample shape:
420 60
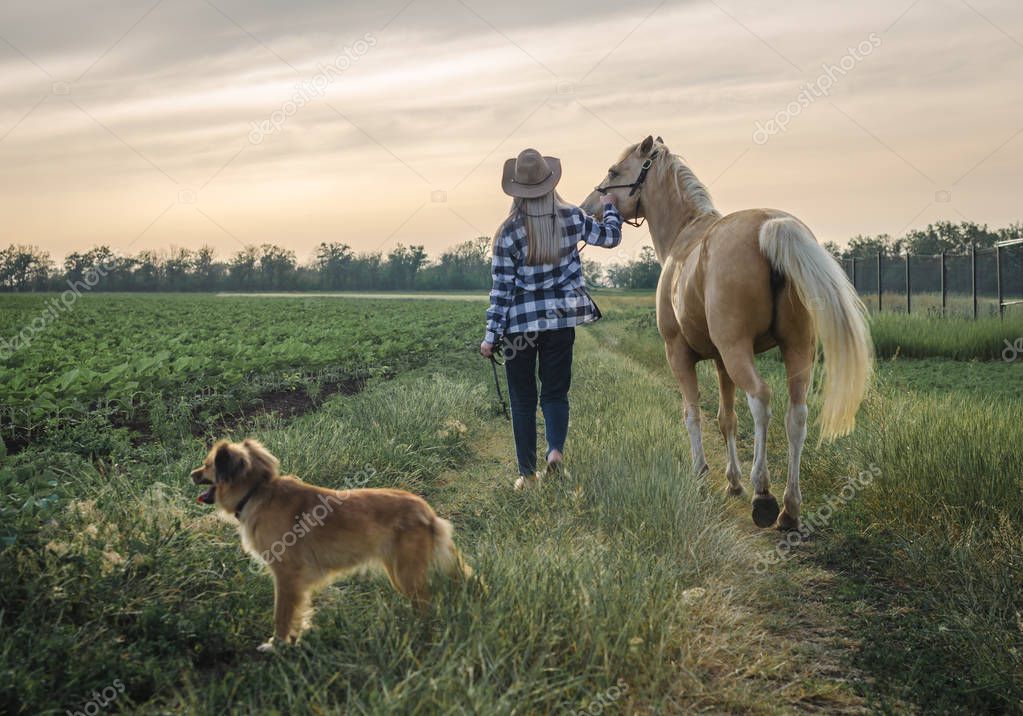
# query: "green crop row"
135 361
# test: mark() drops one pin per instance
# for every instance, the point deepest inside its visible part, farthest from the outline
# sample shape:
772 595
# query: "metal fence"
983 282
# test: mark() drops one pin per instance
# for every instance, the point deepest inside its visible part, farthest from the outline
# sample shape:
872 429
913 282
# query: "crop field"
631 586
148 362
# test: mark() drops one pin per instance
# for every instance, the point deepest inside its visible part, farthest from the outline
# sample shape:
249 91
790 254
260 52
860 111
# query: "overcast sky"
151 124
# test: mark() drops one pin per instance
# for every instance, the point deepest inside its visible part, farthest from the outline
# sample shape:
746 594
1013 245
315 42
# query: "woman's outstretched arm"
607 233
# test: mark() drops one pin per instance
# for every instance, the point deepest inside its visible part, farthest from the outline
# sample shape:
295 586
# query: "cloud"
173 90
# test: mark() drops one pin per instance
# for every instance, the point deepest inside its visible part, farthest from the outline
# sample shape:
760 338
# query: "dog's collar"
245 500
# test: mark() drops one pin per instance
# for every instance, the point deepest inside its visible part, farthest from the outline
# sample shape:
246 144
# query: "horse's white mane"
690 189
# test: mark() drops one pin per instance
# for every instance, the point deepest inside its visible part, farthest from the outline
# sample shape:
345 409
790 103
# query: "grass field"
632 587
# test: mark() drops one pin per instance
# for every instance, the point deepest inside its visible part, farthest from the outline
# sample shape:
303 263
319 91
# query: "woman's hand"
486 349
611 199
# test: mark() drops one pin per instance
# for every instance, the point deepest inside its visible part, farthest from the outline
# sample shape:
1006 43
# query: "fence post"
973 281
880 304
998 279
944 288
909 288
854 274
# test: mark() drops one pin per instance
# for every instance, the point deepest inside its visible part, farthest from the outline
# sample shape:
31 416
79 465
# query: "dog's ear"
227 461
646 146
260 459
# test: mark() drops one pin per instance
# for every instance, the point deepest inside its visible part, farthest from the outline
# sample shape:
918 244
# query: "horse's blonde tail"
839 318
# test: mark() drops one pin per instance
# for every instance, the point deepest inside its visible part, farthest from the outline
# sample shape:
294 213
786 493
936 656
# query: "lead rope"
498 347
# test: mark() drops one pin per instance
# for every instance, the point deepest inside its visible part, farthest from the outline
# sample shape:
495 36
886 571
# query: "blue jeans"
554 350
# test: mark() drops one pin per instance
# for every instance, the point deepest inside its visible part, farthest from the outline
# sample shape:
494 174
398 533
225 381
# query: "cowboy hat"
530 175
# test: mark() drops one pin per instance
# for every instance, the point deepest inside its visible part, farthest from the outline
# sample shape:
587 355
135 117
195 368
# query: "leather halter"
634 188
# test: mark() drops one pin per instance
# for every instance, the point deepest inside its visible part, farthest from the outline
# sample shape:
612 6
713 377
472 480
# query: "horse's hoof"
765 510
787 523
735 490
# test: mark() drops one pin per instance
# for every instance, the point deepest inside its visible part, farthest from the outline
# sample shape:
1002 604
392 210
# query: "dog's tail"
446 556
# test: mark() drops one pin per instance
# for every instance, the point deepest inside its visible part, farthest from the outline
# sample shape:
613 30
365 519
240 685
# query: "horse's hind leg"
799 367
728 423
683 364
738 361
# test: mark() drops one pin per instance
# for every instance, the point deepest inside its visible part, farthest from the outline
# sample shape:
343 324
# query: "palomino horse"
736 285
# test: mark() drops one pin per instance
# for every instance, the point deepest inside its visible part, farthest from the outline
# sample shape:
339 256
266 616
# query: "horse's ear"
647 145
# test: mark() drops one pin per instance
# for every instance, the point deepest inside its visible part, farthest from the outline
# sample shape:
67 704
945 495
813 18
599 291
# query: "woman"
538 299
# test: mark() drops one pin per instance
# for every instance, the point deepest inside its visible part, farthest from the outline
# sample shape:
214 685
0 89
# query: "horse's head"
625 179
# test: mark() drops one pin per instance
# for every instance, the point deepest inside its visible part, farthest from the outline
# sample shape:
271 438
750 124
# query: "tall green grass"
610 582
111 571
935 548
929 557
919 336
632 573
956 304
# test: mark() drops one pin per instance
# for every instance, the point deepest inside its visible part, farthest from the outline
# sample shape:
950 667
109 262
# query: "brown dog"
308 536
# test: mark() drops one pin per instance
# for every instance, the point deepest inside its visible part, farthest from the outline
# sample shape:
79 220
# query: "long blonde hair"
545 235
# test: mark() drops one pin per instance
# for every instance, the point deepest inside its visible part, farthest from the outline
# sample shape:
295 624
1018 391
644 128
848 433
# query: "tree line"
943 236
336 267
268 267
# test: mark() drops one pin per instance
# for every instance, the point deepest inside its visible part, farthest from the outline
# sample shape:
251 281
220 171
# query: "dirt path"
769 643
807 670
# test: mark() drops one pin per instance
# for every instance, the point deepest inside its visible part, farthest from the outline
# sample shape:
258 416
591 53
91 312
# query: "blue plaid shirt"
548 296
